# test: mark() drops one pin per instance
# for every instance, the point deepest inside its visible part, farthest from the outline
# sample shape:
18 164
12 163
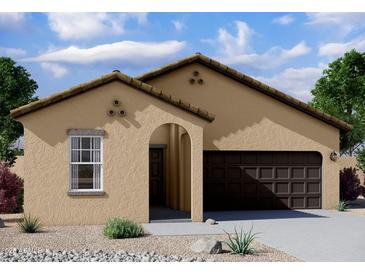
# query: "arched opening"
170 174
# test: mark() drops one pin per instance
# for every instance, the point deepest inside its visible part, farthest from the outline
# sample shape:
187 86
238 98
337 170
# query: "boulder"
2 223
208 246
211 222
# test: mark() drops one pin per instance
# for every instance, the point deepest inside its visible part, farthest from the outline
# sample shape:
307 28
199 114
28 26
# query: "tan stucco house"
192 136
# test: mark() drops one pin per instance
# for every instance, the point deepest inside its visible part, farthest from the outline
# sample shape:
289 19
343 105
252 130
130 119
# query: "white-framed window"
86 163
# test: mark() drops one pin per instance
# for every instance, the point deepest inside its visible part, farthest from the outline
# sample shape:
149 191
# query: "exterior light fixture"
334 156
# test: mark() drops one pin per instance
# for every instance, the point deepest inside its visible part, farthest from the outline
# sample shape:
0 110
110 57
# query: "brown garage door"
238 180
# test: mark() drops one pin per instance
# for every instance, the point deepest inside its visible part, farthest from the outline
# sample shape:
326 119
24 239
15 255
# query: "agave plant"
30 224
343 206
240 243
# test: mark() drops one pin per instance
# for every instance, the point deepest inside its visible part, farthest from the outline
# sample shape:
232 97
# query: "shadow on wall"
89 110
239 109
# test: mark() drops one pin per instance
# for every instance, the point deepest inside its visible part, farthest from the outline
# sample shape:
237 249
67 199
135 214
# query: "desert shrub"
349 184
19 202
122 228
342 206
240 243
10 187
29 224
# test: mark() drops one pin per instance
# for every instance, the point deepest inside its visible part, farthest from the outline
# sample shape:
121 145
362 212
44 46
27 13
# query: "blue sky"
285 50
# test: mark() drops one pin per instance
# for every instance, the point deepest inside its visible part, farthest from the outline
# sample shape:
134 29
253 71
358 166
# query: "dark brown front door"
238 180
157 176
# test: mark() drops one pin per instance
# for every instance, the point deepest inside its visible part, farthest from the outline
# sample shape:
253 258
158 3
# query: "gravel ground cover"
47 255
87 243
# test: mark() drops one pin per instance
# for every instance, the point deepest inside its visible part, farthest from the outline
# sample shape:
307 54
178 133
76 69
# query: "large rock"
208 246
2 223
211 222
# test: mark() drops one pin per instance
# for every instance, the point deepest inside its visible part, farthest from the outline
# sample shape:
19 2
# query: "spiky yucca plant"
343 206
240 243
30 224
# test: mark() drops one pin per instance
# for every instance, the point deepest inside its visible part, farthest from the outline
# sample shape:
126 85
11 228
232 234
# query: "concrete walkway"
310 235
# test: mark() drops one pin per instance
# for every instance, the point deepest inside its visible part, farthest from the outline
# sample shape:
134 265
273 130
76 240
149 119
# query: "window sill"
86 193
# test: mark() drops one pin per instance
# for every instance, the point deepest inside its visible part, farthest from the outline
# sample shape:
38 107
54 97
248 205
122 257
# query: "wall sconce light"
334 156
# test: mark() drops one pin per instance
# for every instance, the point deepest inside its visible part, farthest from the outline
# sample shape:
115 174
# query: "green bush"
29 224
342 206
122 228
240 243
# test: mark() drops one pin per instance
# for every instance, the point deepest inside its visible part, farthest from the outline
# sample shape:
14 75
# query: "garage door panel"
313 202
250 189
298 202
217 172
282 203
261 180
282 173
297 173
249 159
298 187
250 174
234 172
266 173
267 188
282 188
313 173
265 158
234 188
313 187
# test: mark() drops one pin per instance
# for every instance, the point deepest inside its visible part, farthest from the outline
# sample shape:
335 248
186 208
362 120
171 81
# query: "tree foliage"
16 89
10 188
341 93
350 187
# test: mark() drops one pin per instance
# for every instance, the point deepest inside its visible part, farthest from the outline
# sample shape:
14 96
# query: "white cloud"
78 26
284 20
12 52
129 54
56 70
236 50
341 22
179 25
337 49
270 59
11 19
298 82
233 45
142 17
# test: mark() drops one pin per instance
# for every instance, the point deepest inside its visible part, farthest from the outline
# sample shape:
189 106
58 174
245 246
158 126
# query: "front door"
157 177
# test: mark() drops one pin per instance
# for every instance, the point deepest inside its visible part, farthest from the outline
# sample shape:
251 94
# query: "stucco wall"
249 120
126 156
18 167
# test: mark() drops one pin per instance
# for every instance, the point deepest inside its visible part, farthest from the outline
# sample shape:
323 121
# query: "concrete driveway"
309 235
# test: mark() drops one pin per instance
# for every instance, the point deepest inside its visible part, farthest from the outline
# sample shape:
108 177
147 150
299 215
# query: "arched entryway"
170 174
